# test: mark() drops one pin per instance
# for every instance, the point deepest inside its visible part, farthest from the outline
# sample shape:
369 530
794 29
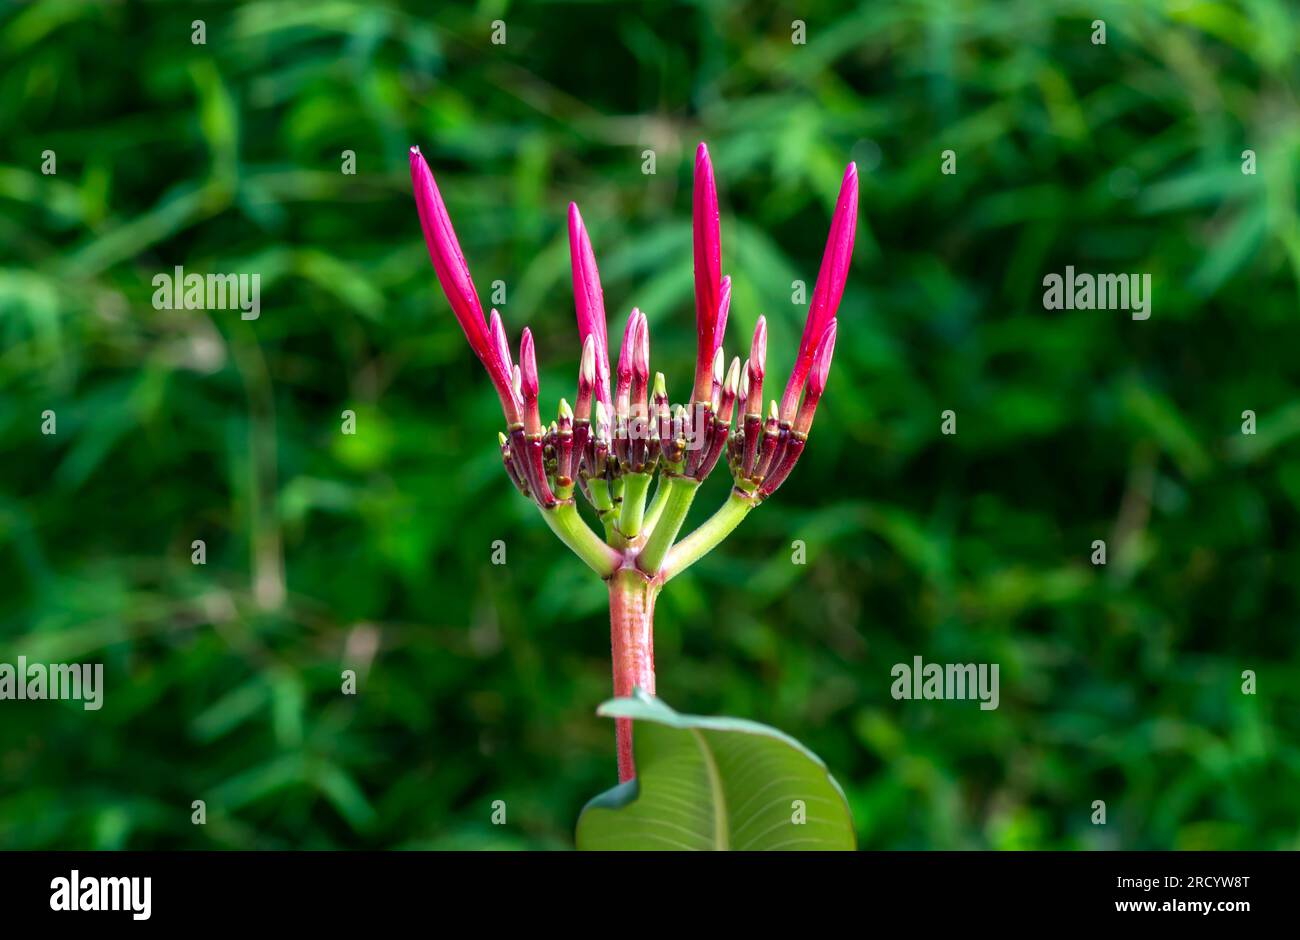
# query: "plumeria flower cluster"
622 430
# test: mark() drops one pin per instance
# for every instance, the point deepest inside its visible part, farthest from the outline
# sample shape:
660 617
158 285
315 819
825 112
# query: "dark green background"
480 683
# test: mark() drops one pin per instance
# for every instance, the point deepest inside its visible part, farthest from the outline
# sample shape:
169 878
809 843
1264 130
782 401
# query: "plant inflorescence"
622 430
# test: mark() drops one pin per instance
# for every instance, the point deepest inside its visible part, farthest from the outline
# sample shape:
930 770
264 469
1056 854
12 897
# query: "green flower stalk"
622 441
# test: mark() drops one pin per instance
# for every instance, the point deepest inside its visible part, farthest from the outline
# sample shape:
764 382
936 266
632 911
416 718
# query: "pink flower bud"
754 372
821 369
453 274
724 307
500 350
528 365
641 350
500 345
708 268
758 349
830 286
528 385
588 299
821 365
625 364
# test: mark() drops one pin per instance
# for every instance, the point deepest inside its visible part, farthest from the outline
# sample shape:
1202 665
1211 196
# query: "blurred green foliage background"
478 683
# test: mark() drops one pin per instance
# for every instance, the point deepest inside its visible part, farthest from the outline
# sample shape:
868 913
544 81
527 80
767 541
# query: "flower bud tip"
588 371
758 348
821 366
641 348
733 375
528 365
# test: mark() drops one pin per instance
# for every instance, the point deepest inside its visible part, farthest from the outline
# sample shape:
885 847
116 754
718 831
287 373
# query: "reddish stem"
631 629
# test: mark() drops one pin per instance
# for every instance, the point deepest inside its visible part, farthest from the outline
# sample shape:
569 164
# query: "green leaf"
715 783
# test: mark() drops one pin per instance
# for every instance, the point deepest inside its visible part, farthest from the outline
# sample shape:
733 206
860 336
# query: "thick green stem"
656 506
706 538
573 532
605 509
681 492
634 493
600 498
631 634
613 537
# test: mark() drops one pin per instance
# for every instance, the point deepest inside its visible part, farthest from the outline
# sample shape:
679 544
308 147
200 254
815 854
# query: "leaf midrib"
721 838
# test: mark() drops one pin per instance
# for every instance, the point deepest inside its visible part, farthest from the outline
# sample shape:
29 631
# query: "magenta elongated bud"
821 369
528 382
624 386
708 268
500 344
639 410
821 365
830 286
444 252
641 350
758 349
528 366
755 369
589 300
641 369
454 277
724 307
